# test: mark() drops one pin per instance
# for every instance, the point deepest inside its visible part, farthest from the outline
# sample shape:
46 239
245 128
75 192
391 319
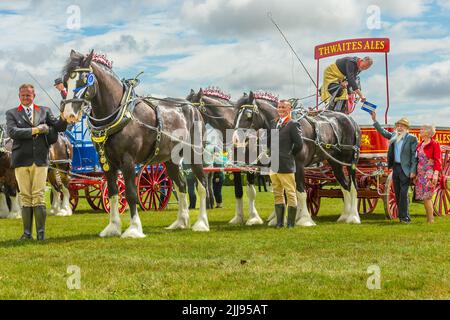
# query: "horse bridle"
201 105
84 93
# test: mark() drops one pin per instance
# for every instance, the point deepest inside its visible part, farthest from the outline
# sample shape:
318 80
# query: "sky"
184 45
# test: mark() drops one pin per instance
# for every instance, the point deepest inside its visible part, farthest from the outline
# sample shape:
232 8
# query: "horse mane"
265 95
216 92
76 60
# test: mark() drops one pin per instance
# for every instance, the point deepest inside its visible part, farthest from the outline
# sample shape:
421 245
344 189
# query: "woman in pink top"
428 168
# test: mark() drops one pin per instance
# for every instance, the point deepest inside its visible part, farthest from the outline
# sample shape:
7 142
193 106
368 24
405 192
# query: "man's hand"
363 98
43 128
373 114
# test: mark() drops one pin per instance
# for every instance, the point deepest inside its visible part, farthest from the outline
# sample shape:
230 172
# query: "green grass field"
329 261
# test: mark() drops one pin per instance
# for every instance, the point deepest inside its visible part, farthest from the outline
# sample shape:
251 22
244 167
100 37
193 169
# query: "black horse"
219 112
130 130
331 136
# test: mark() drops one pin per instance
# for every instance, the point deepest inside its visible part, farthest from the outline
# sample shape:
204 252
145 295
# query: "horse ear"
251 97
73 53
192 92
88 60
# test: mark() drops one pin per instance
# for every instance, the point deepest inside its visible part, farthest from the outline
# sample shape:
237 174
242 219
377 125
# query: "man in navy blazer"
28 125
402 160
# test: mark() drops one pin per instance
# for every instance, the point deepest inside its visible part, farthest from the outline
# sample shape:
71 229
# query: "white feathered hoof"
15 215
133 233
62 213
201 226
112 230
343 218
305 222
353 220
271 217
237 220
52 212
272 223
254 221
179 224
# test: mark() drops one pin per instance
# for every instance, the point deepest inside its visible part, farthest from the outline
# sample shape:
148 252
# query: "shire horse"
335 130
151 131
60 155
219 112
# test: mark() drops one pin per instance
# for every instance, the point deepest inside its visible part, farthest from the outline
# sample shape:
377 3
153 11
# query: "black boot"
40 216
292 213
279 211
27 219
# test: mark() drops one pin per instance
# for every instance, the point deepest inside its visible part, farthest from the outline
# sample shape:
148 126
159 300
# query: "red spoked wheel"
121 192
154 187
390 204
73 198
93 193
367 205
441 199
313 199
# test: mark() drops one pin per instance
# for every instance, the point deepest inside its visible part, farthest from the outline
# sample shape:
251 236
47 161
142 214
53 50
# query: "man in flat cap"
402 160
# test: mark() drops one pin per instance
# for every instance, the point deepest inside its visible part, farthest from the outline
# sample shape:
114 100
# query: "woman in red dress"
428 168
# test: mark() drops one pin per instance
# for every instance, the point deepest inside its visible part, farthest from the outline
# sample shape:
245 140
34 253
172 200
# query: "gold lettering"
367 46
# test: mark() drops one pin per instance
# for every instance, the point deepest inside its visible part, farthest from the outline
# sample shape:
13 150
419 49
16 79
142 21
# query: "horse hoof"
200 226
343 218
305 222
254 221
133 233
111 230
353 220
15 215
272 223
179 224
237 220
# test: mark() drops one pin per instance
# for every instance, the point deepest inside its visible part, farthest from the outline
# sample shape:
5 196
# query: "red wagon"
373 178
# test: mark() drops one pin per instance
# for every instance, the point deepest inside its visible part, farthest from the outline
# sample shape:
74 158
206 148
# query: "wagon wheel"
441 199
313 199
73 198
368 205
93 193
390 204
122 200
154 187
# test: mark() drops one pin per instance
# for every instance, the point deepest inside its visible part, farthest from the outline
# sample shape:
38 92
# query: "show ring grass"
329 261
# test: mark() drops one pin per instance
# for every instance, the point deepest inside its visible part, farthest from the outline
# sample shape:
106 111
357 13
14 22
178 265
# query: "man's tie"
29 113
280 122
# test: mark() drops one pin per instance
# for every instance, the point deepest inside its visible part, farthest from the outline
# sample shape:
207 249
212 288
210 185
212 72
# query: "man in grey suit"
402 160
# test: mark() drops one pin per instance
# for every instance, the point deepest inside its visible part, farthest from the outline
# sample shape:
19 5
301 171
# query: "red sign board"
379 45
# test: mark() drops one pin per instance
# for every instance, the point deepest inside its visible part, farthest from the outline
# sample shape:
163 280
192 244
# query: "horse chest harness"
119 120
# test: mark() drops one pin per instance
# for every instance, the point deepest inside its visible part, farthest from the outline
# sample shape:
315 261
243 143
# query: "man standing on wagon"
29 126
339 76
402 160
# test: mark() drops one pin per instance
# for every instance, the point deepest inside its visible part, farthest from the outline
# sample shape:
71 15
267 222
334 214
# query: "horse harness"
320 144
118 120
327 146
